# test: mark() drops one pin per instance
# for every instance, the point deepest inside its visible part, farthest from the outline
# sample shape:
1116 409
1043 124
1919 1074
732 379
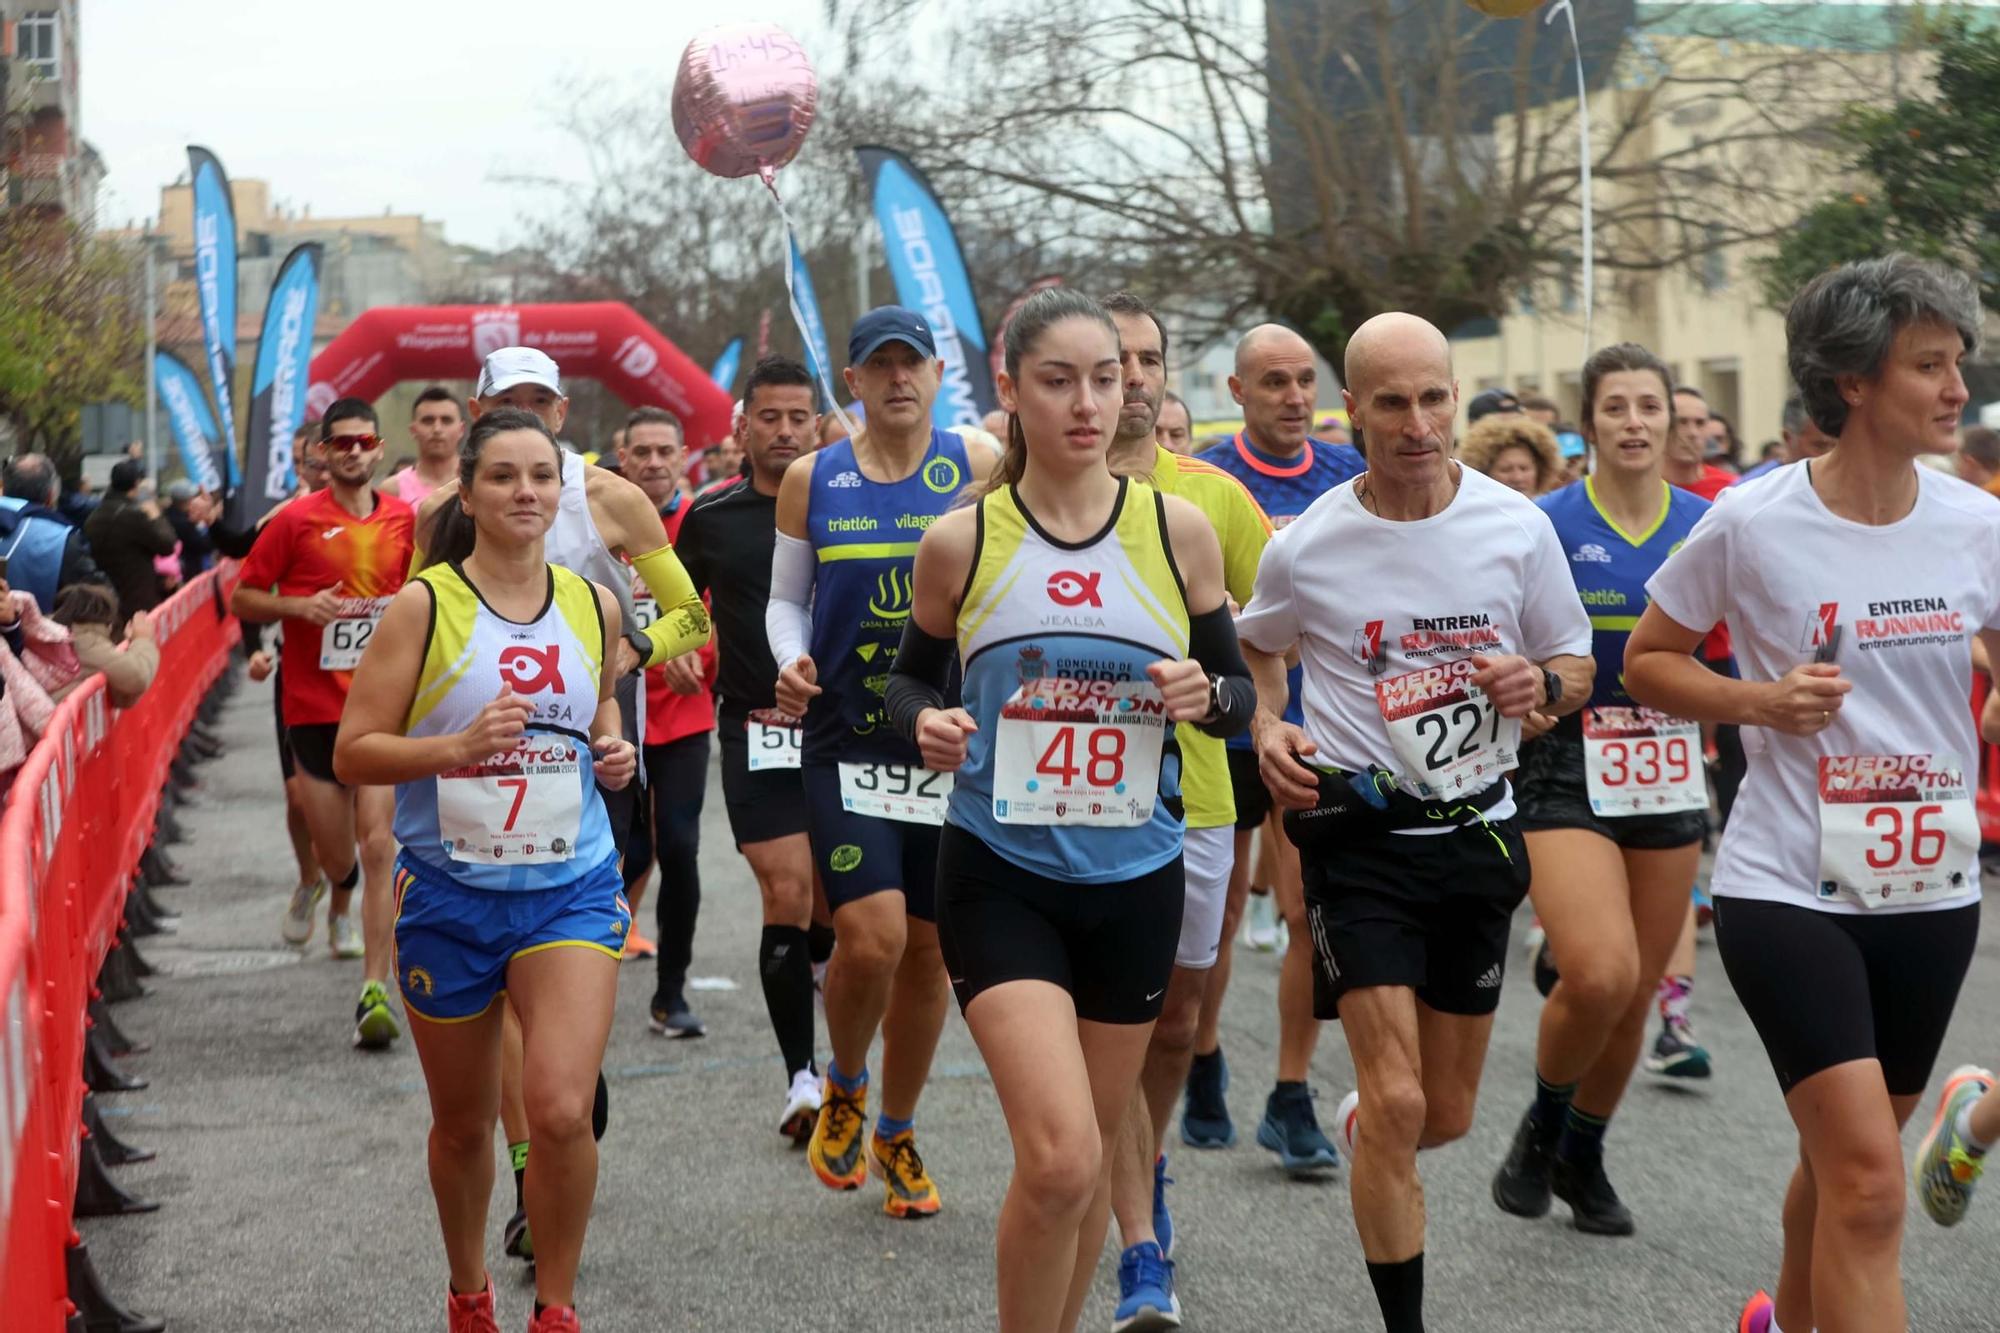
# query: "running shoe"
374 1022
1595 1208
638 946
1704 908
1521 1186
555 1319
801 1108
1146 1298
471 1314
516 1240
1163 1221
1532 937
298 924
909 1191
343 937
1260 923
1944 1172
834 1151
676 1021
1757 1314
1676 1054
1205 1121
1343 1120
1546 975
1291 1130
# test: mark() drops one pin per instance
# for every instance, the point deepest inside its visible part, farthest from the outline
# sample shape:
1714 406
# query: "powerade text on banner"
805 305
278 387
186 404
215 285
931 279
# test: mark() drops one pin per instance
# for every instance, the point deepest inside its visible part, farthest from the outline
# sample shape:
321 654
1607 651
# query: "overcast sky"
350 108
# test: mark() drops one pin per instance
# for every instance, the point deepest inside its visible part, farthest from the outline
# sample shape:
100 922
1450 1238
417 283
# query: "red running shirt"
670 716
311 544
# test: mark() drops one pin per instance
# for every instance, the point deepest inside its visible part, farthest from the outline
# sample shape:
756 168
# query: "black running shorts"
860 855
765 805
1429 911
1825 988
1552 793
1253 799
1111 946
312 750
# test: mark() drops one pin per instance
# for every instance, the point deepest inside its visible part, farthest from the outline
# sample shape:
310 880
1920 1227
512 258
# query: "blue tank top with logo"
864 536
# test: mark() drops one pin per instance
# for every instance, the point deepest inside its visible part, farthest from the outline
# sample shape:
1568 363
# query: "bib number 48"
1103 762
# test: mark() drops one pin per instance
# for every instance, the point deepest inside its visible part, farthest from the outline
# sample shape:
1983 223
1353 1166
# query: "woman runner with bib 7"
1088 610
484 699
1847 884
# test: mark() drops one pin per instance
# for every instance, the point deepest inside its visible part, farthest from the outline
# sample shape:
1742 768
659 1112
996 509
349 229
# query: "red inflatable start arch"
605 341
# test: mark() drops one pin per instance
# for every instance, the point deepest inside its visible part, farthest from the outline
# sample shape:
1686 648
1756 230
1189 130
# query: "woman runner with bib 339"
484 699
1847 884
1089 613
1614 803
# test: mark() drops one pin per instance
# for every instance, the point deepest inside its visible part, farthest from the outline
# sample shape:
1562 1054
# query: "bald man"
1285 470
1417 679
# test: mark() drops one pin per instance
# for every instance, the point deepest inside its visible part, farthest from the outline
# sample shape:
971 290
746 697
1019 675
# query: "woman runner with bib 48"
1613 806
1847 885
1089 612
484 699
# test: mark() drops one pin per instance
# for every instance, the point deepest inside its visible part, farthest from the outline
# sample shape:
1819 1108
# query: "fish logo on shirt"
1067 587
532 670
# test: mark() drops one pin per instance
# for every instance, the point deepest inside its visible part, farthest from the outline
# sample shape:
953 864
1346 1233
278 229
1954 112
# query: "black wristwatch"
1552 687
1214 698
640 645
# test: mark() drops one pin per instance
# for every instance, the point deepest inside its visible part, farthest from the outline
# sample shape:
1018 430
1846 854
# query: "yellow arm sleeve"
683 624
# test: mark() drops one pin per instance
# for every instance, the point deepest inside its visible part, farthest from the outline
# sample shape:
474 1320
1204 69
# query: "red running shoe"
1756 1316
555 1319
471 1314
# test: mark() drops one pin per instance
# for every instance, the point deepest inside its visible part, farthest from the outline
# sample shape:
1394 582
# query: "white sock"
1978 1146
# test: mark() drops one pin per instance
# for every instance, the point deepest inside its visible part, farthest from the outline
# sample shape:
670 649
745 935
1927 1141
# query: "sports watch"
1552 687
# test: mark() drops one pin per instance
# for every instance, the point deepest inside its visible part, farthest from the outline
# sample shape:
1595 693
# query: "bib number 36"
1895 829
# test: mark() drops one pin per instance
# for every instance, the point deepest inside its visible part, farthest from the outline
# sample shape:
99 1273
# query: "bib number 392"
895 791
1445 731
1079 752
1895 829
344 639
1640 762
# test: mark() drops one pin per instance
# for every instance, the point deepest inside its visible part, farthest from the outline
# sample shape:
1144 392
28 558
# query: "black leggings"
677 777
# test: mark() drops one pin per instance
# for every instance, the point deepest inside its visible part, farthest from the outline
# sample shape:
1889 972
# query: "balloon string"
770 179
1564 8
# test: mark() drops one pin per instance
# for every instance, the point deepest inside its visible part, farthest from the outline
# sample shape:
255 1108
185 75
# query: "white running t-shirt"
1894 606
1369 600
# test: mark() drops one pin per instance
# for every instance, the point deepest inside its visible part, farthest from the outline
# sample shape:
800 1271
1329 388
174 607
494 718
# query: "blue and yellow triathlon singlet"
864 535
531 818
1056 638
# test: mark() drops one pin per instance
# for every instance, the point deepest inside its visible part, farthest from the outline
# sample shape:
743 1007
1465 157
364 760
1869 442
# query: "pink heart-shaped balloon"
744 98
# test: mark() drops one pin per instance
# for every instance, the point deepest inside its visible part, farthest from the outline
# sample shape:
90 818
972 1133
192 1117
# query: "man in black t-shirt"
725 543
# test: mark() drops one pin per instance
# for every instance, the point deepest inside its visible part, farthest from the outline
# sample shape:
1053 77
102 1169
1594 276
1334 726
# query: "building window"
38 42
1714 262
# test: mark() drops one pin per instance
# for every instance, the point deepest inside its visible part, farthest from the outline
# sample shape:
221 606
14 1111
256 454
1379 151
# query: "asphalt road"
292 1168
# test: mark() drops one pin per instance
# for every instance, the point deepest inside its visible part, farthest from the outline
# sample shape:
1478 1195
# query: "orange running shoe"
638 946
909 1190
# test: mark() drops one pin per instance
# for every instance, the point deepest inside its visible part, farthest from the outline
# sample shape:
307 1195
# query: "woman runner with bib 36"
1613 806
1089 612
485 700
1847 884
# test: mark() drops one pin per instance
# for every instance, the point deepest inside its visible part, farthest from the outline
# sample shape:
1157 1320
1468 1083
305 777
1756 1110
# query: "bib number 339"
1446 732
1895 829
1640 762
521 807
1079 752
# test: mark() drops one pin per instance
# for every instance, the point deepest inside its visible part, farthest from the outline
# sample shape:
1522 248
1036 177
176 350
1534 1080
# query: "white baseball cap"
517 365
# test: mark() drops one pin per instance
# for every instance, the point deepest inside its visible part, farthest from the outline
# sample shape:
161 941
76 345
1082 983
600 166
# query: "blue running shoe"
1291 1130
1163 1221
1205 1121
1146 1297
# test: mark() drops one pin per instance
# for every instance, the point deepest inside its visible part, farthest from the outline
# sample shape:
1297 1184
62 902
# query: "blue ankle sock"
842 1081
888 1127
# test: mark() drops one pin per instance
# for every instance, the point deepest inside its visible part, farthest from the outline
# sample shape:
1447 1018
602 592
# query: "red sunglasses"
347 444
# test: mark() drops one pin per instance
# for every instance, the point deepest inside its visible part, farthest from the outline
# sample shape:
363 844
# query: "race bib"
343 639
1079 752
521 807
773 738
1895 828
645 610
1446 732
1640 762
895 791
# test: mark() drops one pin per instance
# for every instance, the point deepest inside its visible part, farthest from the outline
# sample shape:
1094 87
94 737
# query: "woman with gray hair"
1847 884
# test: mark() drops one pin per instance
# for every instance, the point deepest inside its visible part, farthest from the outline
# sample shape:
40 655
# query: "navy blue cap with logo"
889 324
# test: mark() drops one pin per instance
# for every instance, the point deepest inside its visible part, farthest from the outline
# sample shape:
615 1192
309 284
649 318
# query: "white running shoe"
1532 937
344 937
1343 1120
298 924
801 1107
1261 924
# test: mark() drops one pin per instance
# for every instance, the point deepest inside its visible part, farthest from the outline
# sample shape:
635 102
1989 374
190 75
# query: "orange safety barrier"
79 815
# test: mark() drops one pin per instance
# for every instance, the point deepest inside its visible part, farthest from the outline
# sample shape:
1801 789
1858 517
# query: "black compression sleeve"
1212 642
917 681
